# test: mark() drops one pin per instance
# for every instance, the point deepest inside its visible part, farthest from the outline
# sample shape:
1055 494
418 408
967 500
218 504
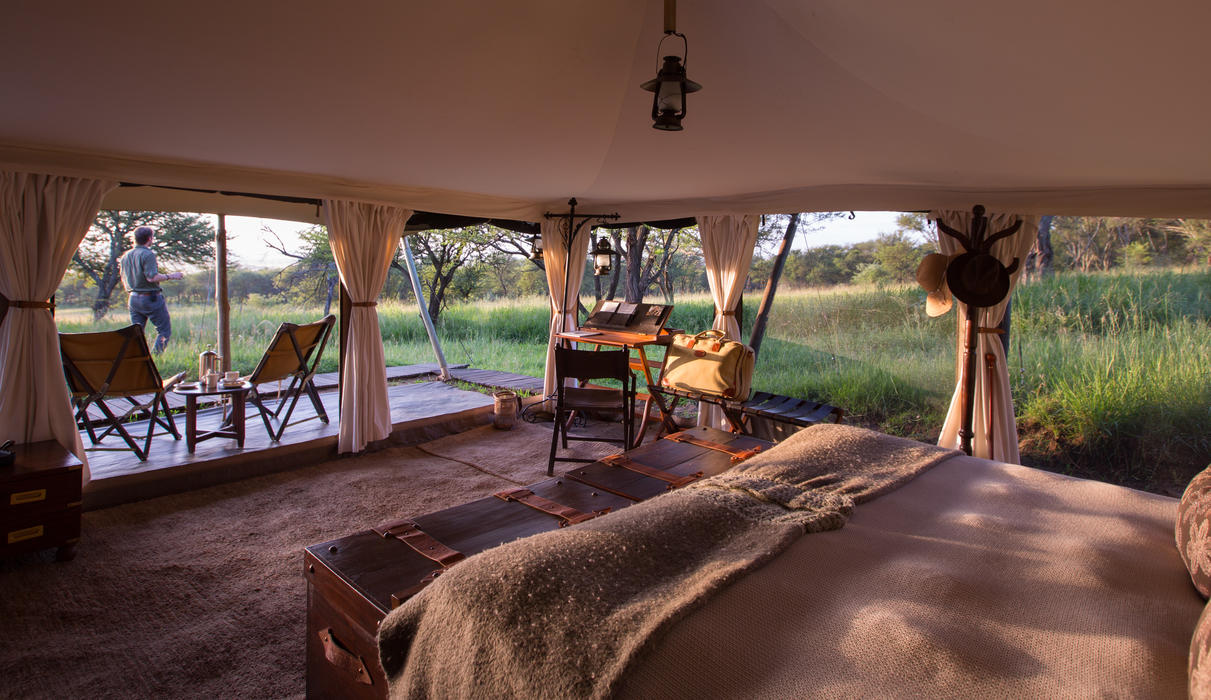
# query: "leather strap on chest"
408 532
738 455
567 515
673 480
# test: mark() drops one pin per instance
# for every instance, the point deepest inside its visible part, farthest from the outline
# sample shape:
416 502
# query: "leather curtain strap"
31 304
567 515
998 331
727 313
737 455
363 303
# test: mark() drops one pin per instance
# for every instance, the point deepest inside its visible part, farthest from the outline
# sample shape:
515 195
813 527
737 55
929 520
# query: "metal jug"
208 361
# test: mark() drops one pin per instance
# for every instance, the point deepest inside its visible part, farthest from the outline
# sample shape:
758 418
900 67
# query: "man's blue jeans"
144 307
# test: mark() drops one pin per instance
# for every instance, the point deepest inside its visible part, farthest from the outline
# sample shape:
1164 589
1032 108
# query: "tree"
314 270
1039 260
1197 234
445 252
898 255
645 253
183 239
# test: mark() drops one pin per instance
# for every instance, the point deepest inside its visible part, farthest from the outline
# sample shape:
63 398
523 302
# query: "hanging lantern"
670 86
603 255
536 247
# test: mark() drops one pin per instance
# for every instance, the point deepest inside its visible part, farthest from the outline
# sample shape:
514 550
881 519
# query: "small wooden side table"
40 500
232 427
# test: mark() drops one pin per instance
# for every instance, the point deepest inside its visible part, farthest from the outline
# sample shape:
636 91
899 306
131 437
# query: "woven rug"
202 594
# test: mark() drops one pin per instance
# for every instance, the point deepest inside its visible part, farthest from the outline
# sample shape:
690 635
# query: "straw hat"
931 275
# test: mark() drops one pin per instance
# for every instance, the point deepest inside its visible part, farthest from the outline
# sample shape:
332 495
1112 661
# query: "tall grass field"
1111 373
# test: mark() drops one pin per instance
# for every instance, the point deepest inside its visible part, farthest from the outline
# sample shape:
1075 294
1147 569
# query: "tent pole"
771 286
424 311
222 302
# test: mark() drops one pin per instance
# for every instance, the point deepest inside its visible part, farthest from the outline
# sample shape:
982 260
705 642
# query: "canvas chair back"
294 351
591 364
114 363
292 357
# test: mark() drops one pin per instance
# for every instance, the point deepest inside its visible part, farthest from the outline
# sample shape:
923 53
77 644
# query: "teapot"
209 362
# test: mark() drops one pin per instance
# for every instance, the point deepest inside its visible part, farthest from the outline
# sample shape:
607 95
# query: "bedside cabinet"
40 500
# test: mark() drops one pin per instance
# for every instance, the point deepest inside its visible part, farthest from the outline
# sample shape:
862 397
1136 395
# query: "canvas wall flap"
43 219
364 239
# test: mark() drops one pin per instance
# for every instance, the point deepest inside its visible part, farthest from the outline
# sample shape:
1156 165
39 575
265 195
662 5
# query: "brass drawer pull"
28 533
22 497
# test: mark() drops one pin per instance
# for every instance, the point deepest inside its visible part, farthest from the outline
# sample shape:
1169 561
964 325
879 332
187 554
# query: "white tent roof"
507 109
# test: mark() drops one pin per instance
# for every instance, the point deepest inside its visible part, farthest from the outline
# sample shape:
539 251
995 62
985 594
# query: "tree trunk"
1039 259
771 286
636 238
105 289
616 273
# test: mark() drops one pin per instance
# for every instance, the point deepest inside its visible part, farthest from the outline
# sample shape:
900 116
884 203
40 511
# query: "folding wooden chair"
108 365
585 365
293 356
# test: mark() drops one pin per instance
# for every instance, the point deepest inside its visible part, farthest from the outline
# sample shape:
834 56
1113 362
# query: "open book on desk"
613 315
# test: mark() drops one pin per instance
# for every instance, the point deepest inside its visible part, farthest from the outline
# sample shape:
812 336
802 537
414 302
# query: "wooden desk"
635 342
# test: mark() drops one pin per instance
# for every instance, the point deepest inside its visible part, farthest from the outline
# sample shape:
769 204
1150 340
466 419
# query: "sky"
246 235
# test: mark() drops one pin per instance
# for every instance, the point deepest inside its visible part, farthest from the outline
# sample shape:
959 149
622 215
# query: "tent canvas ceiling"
506 109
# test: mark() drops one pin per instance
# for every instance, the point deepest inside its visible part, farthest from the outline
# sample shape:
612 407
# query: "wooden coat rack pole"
967 397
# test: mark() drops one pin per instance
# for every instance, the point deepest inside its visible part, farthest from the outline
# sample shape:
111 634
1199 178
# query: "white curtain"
727 246
992 391
565 290
364 239
43 218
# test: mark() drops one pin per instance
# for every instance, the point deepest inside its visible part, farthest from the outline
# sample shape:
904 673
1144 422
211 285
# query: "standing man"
142 281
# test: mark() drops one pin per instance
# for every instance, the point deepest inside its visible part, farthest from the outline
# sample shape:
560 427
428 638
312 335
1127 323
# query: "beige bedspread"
977 579
563 614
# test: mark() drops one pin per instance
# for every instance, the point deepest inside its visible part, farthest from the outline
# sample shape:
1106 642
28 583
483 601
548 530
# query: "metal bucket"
505 410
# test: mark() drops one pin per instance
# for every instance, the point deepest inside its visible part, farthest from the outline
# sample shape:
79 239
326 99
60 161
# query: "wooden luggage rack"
788 410
354 581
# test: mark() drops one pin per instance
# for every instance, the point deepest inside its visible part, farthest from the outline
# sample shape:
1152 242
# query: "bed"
963 578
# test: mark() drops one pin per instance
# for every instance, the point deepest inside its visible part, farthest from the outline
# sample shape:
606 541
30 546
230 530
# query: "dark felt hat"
977 279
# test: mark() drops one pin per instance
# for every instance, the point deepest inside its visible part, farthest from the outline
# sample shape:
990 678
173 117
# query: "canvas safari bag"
709 363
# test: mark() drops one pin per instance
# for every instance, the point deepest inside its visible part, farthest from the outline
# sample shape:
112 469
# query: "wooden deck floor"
419 412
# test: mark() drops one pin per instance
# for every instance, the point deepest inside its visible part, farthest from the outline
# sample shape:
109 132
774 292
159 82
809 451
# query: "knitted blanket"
563 613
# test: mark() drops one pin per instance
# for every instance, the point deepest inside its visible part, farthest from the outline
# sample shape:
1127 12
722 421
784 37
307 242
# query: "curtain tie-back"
363 303
998 331
727 313
31 304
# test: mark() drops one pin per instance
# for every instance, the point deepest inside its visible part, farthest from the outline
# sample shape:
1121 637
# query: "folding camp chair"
586 365
293 355
108 365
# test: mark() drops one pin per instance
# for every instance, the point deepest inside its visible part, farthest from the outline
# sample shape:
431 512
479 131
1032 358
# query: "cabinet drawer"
45 492
40 531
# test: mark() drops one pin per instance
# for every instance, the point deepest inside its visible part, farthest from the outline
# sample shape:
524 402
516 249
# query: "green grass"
1110 372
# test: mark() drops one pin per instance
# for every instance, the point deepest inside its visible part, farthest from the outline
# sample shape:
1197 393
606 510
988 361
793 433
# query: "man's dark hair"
143 235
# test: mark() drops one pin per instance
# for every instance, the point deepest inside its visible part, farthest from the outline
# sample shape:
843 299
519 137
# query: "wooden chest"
354 581
40 500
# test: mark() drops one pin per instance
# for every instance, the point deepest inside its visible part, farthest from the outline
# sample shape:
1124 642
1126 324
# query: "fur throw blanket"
563 613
